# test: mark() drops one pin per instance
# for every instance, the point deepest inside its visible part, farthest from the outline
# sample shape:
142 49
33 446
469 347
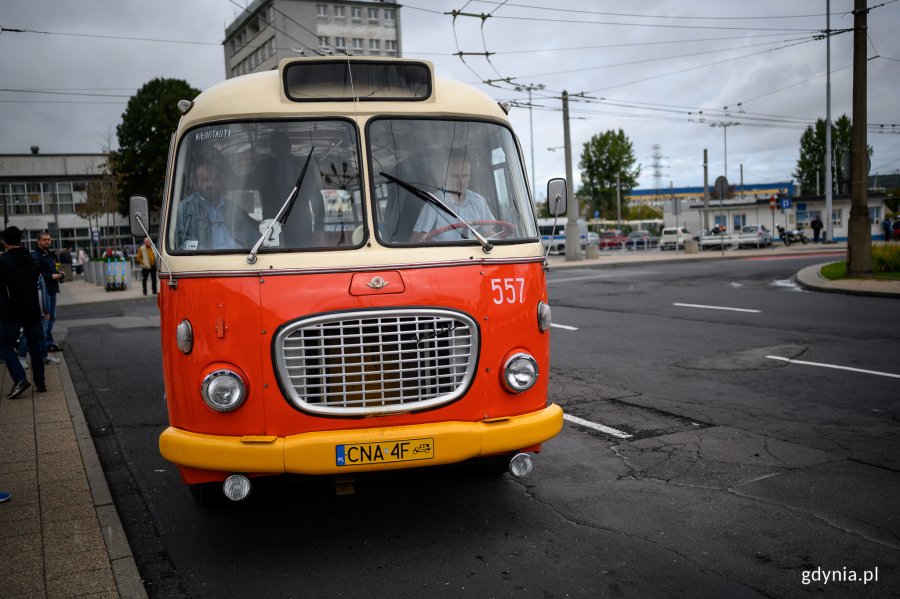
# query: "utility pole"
619 201
859 234
573 238
829 224
530 88
705 190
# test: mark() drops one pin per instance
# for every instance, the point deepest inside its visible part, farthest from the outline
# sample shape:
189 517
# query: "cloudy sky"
663 71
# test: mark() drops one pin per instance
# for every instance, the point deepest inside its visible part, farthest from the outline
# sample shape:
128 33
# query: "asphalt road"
743 474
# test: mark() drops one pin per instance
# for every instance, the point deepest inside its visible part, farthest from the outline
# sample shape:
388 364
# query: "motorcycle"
789 237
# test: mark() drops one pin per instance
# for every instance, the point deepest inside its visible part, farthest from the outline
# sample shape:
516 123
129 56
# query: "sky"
669 73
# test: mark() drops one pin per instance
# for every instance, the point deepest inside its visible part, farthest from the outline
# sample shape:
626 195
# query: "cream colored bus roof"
261 95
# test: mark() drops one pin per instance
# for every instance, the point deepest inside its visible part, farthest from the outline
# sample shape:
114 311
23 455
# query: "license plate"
404 450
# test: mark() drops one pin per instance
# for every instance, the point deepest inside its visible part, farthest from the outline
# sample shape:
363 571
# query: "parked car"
715 238
754 236
612 239
640 240
673 237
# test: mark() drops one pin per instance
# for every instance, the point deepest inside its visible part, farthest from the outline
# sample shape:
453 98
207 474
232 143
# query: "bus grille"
377 362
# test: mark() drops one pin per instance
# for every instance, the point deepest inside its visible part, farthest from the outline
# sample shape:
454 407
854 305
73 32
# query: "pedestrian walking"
20 309
817 226
146 257
52 278
886 225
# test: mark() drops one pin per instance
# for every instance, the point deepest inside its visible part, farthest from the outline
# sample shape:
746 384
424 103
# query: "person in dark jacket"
52 278
20 309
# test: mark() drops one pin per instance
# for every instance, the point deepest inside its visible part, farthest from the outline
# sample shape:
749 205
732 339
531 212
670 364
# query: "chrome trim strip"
200 274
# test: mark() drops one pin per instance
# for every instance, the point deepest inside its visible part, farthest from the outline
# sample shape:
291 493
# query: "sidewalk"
60 529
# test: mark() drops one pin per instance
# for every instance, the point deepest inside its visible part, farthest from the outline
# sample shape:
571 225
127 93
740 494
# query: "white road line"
564 326
607 276
821 365
597 427
716 308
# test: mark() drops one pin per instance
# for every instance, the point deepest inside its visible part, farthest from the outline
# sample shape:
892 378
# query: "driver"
469 205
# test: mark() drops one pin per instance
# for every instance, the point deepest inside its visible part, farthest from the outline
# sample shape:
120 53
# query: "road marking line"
606 276
836 367
716 308
596 427
564 326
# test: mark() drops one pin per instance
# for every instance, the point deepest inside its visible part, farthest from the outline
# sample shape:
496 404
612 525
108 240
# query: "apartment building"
269 30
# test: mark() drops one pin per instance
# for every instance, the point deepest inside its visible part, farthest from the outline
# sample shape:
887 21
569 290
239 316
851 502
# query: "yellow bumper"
315 453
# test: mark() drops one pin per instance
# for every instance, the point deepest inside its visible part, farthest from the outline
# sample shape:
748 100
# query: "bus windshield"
470 172
233 180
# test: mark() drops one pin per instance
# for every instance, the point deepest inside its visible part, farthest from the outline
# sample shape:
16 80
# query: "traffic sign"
785 203
772 203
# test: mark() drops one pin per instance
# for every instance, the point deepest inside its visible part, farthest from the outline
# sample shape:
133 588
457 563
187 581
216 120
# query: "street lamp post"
530 88
725 126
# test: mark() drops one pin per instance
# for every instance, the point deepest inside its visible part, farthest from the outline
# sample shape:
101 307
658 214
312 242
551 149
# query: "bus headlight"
544 316
519 373
223 390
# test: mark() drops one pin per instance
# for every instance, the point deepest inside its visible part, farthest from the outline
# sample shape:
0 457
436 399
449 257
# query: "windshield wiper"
285 210
429 197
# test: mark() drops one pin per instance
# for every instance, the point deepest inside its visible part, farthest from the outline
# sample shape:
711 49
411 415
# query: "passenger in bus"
275 176
207 220
469 205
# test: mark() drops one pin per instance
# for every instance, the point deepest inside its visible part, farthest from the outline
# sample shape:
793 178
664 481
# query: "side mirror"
138 216
557 197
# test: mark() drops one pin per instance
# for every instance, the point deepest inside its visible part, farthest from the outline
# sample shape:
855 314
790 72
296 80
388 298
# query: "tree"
102 198
147 124
812 157
604 157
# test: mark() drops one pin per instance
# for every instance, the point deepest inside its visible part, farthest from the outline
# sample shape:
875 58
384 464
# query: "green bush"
886 258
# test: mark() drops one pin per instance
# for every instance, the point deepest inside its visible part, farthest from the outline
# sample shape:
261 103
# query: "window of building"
875 215
837 217
390 45
340 42
802 214
373 15
65 198
389 17
356 13
357 43
324 42
322 11
374 45
340 12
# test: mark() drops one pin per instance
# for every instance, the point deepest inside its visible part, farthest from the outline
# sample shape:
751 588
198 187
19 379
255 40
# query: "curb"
811 279
128 580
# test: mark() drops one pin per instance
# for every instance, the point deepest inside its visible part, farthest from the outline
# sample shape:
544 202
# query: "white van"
673 237
555 238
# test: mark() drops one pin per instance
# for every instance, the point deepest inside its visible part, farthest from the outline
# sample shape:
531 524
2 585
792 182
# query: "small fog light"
519 373
521 465
544 316
237 487
223 390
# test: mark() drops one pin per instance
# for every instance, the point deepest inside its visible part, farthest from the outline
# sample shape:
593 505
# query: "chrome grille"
377 362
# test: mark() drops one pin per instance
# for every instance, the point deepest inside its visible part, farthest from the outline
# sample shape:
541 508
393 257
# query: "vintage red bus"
354 278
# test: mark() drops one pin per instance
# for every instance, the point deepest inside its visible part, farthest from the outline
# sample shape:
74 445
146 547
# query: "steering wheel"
506 228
